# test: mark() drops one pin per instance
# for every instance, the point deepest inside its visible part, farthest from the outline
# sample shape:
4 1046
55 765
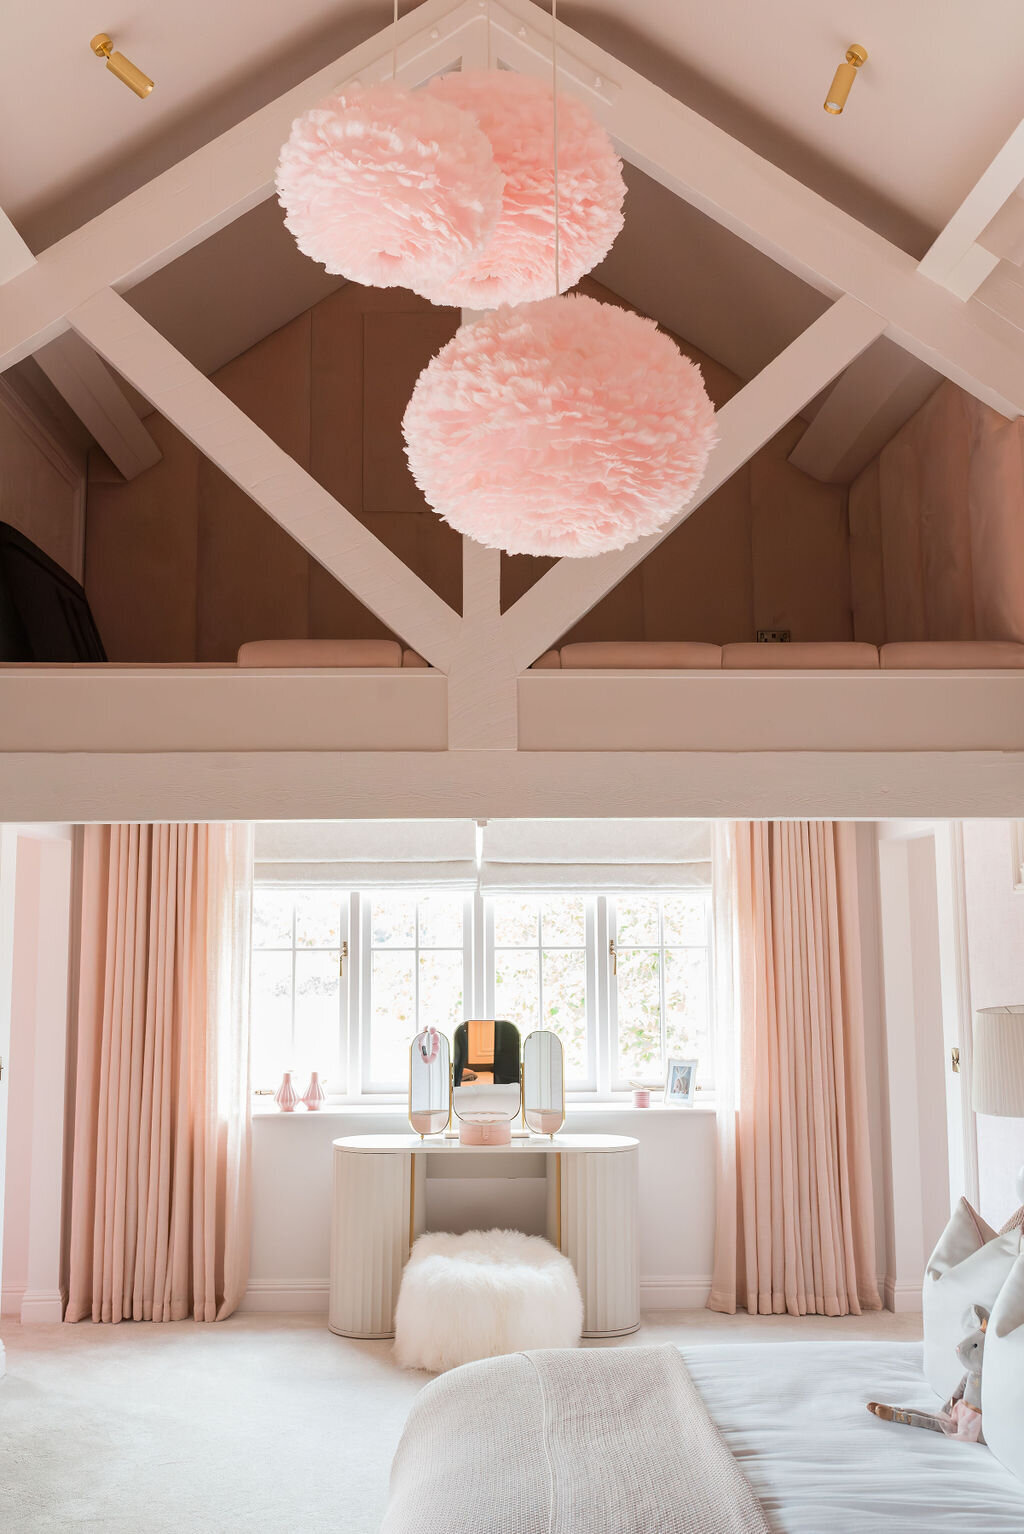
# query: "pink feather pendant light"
567 427
389 187
515 266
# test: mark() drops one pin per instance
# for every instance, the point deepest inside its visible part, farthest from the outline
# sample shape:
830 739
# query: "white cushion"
1002 1378
481 1294
968 1267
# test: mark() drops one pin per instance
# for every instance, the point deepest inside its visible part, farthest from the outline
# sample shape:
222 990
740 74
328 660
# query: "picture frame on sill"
680 1082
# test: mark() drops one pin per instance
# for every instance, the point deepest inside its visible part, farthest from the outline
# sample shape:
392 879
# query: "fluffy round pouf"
389 187
481 1294
565 427
517 265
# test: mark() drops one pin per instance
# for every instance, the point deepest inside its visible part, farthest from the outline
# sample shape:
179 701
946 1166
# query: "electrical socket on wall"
774 636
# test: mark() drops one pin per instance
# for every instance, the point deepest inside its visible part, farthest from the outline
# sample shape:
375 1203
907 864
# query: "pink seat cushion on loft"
549 661
642 655
321 652
801 656
953 655
410 658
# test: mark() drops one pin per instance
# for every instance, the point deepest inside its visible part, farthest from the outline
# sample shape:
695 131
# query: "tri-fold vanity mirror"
486 1081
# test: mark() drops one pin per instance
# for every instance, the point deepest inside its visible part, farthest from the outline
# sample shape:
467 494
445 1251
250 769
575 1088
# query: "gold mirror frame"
544 1120
431 1065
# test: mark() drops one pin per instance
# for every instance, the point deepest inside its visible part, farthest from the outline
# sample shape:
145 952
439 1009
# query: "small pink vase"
286 1096
314 1094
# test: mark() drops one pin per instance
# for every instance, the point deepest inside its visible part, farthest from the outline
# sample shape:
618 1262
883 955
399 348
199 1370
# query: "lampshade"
998 1070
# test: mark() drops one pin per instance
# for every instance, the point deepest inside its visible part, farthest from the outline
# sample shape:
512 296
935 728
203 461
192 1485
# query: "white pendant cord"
554 119
394 43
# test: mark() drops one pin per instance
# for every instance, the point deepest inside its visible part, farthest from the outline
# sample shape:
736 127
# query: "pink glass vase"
314 1094
286 1096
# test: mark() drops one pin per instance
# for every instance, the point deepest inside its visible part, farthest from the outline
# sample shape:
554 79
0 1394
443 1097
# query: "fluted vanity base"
379 1209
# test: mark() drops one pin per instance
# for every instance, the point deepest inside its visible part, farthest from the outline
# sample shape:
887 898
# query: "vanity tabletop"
532 1145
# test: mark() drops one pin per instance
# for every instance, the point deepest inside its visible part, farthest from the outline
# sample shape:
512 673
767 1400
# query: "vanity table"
379 1208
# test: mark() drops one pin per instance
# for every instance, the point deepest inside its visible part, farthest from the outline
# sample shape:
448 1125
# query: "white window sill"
364 1109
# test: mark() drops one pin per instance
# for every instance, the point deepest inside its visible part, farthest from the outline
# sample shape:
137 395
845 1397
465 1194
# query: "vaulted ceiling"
939 95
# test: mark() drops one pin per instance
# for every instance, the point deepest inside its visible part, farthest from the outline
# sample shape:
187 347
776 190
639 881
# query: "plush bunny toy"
961 1415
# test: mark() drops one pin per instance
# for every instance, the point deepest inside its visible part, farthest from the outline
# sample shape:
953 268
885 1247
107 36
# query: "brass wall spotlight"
844 77
118 65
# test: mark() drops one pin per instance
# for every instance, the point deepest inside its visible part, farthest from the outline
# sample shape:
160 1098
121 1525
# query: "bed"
793 1416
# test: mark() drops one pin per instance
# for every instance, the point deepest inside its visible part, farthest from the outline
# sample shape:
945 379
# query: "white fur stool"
481 1294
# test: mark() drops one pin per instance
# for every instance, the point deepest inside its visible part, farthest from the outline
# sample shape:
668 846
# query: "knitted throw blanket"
567 1441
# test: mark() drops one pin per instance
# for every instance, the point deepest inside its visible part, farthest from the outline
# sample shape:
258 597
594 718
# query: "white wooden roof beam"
568 591
81 379
956 259
772 211
245 453
208 189
878 392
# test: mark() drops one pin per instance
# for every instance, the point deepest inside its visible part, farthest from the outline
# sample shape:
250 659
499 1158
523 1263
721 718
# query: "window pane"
393 1016
317 986
271 1014
639 1015
440 919
393 921
516 987
440 991
638 919
515 922
565 1006
318 919
685 919
686 1006
271 919
562 921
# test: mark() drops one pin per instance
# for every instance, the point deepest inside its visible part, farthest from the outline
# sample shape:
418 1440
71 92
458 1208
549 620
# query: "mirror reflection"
543 1082
429 1073
486 1079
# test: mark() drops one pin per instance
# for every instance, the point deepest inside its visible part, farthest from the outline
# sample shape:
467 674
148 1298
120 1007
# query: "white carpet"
263 1423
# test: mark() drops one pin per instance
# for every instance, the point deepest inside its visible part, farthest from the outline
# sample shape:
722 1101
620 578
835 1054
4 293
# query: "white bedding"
794 1416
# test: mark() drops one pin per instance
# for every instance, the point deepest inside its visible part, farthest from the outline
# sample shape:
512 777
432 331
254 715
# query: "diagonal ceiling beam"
91 390
956 259
213 186
330 533
572 587
777 214
81 379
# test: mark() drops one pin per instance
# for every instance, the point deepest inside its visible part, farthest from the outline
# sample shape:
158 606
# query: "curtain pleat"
795 1225
160 1179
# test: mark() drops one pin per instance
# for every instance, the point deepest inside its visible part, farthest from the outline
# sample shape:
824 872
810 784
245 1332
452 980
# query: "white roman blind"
363 854
596 854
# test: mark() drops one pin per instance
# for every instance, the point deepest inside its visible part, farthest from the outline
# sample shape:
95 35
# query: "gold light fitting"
118 65
843 79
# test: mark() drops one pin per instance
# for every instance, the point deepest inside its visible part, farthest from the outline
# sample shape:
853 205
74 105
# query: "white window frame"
294 890
588 1087
602 1083
617 1084
364 902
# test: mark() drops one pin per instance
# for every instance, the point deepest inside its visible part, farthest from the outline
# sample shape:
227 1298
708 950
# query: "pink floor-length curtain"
795 1223
160 1215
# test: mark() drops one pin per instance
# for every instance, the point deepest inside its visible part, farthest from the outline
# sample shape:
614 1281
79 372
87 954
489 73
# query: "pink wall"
937 527
995 940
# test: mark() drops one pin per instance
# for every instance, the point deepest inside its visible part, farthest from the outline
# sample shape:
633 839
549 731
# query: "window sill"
397 1110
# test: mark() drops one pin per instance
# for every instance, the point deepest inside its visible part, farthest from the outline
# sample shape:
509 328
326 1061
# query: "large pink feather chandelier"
556 425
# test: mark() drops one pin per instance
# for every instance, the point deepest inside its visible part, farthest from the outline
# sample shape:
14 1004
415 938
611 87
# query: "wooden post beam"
572 587
483 703
956 259
90 389
330 533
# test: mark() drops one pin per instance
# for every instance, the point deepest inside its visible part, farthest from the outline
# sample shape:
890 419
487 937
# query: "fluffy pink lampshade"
564 427
389 187
517 264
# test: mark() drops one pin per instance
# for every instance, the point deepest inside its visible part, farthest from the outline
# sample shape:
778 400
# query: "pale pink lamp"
998 1068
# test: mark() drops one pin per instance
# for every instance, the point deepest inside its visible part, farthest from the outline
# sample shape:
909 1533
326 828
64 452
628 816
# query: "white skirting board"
660 1293
34 1306
902 1297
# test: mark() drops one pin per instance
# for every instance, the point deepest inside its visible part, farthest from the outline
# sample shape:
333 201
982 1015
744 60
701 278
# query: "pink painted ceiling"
939 95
